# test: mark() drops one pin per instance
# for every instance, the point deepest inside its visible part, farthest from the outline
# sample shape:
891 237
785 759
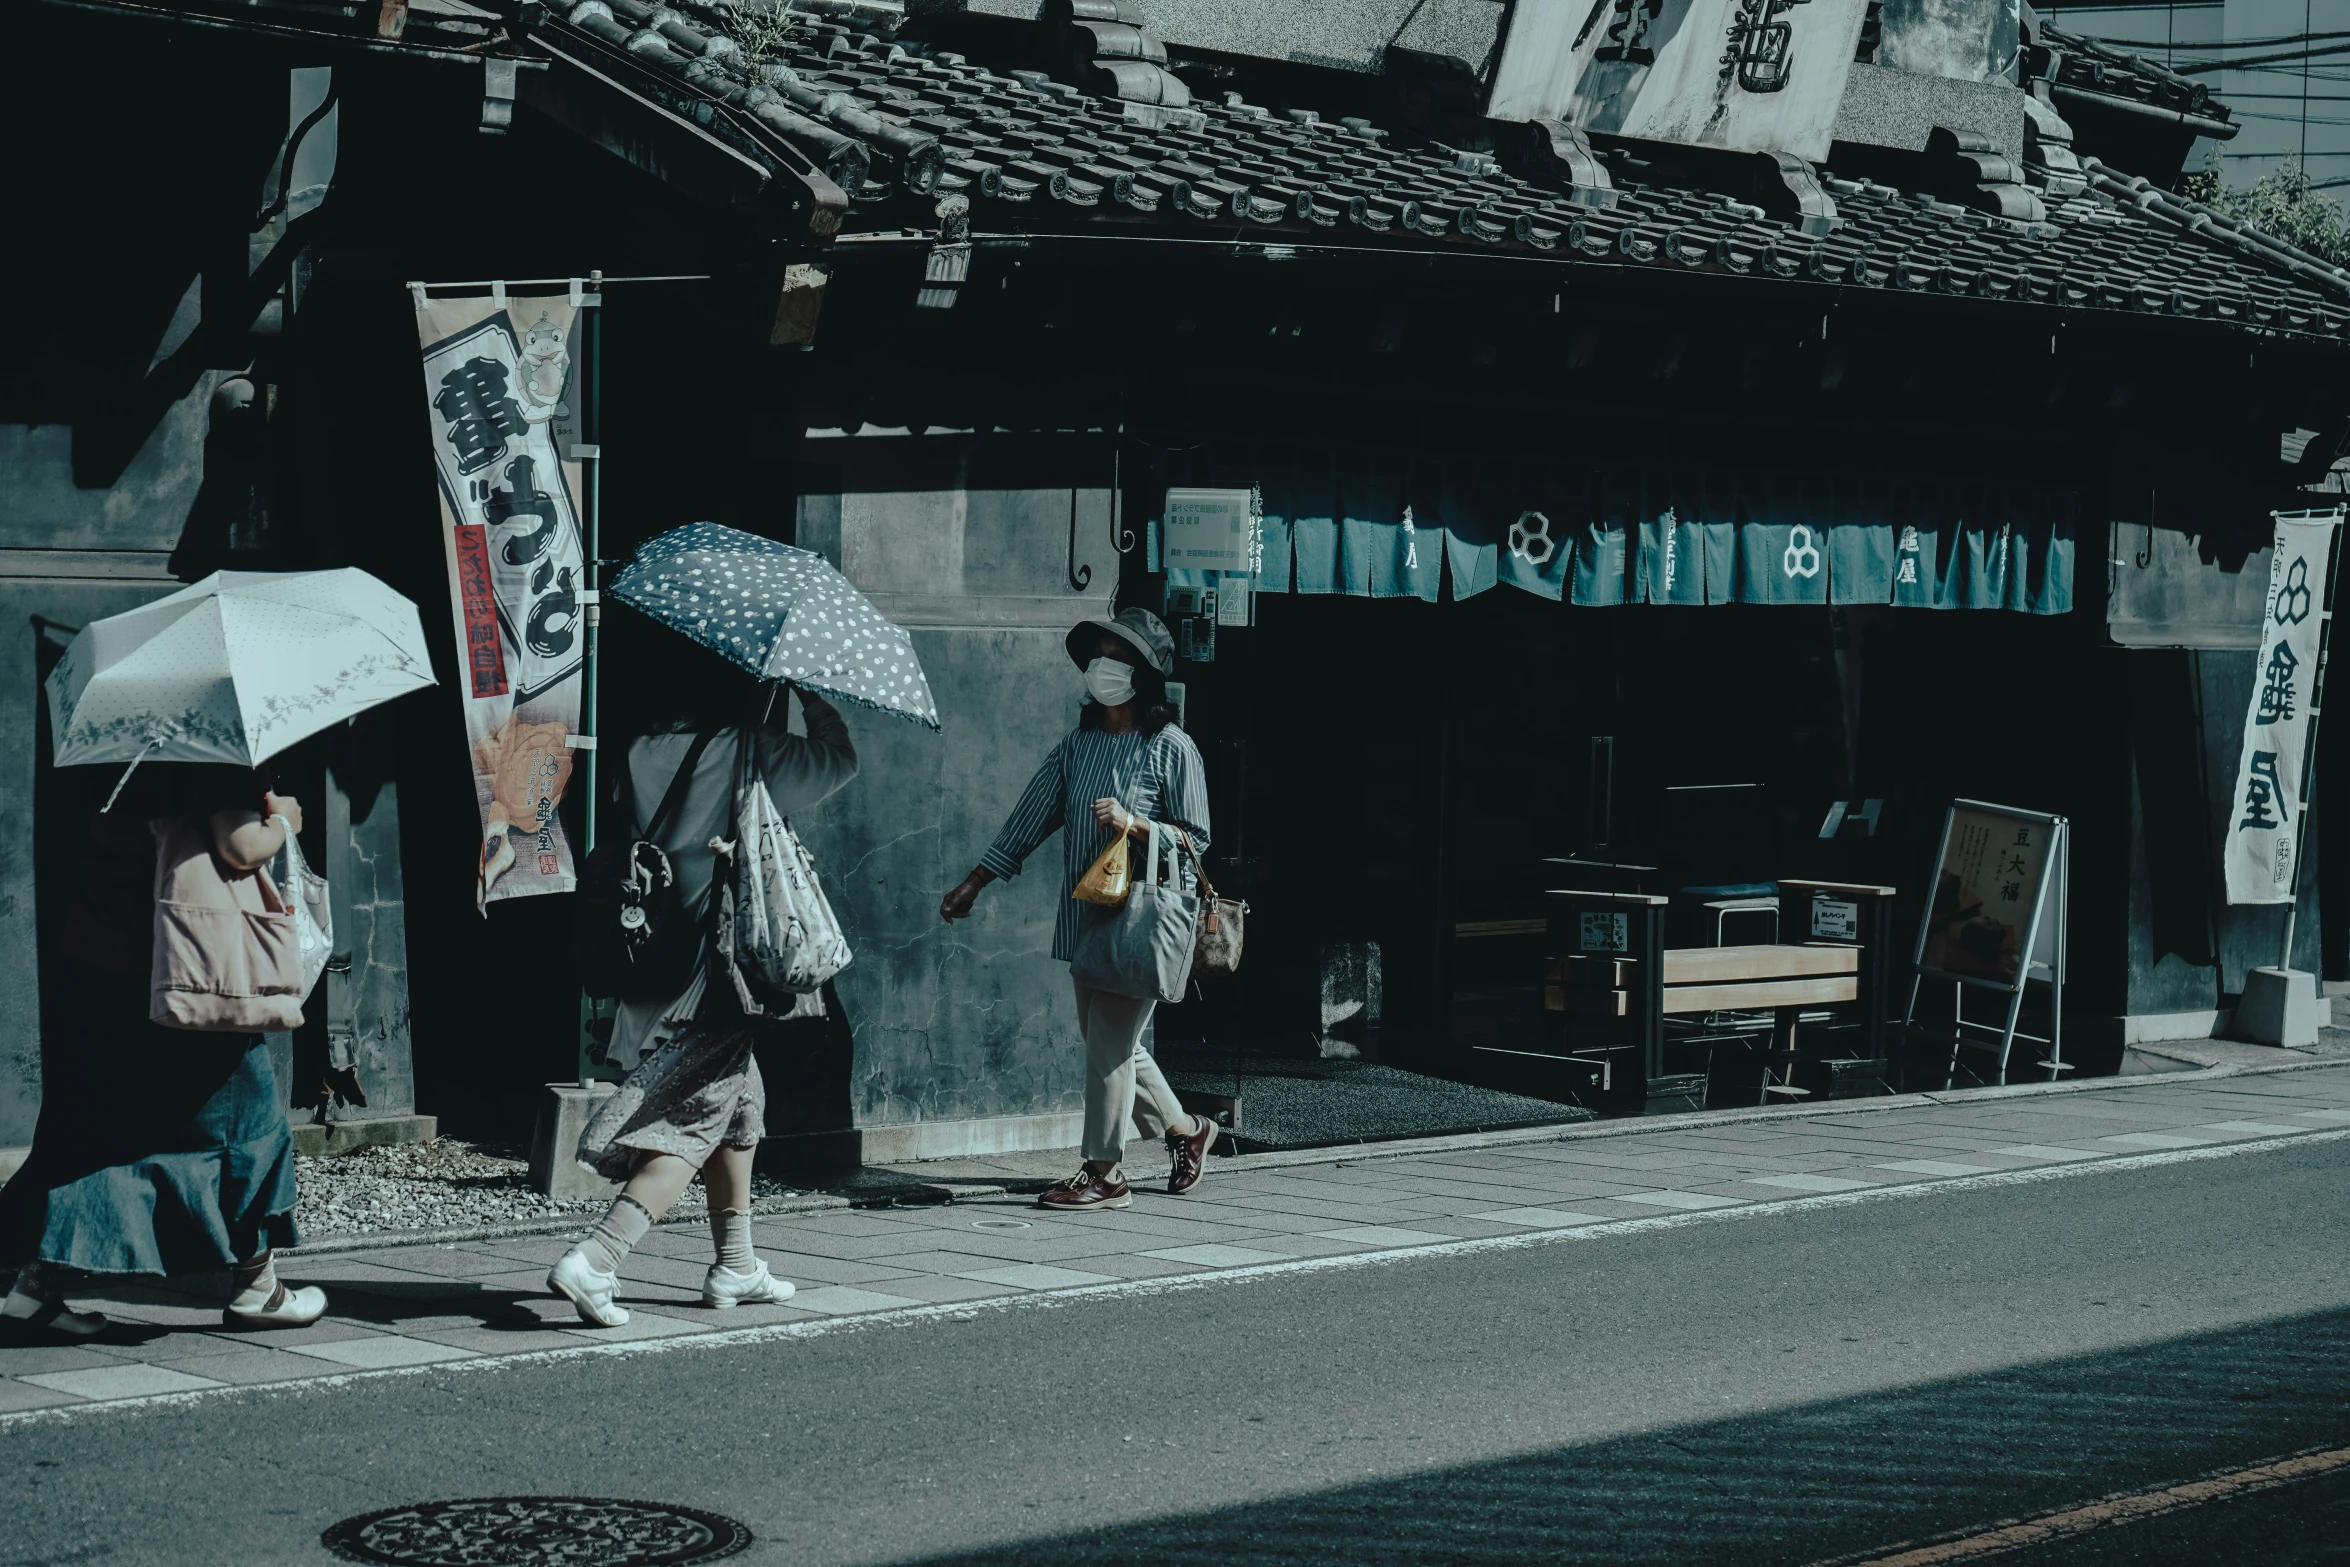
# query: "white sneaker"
723 1288
287 1308
31 1314
588 1289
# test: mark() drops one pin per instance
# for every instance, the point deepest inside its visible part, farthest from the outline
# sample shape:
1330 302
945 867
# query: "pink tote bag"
228 957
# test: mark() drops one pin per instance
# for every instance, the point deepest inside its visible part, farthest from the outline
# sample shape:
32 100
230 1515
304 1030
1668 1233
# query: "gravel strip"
448 1184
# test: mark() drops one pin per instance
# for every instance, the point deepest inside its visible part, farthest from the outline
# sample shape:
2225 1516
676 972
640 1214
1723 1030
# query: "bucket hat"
1138 628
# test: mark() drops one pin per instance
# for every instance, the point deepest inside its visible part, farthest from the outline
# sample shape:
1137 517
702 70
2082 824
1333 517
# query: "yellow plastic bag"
1106 880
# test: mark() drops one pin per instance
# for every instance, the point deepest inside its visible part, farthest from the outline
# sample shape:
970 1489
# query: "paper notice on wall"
2264 813
498 380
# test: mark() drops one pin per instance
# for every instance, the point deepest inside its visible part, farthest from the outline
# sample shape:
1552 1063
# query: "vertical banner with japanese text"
2264 814
498 380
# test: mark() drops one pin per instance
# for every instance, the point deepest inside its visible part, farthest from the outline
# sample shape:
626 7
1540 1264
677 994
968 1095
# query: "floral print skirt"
698 1092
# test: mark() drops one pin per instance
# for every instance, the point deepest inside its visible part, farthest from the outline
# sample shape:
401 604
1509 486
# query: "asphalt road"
1767 1388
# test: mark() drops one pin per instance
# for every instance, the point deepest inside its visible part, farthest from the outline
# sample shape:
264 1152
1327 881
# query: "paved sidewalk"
423 1304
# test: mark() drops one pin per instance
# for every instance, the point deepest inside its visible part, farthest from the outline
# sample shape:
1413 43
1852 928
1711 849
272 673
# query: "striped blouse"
1158 777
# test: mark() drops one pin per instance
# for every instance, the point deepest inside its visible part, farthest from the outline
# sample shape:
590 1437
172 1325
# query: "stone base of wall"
923 1140
2152 1028
342 1136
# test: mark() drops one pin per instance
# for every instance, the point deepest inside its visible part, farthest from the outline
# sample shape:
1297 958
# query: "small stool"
1707 913
1757 921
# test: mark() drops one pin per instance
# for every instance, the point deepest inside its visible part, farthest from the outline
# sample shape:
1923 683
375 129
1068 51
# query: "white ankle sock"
616 1234
730 1232
256 1285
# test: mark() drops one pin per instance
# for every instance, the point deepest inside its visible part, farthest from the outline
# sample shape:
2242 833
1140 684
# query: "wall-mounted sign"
1852 818
1758 75
2264 814
1209 530
1606 933
1834 919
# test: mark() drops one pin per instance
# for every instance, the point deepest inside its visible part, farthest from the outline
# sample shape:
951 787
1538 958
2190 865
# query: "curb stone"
914 1191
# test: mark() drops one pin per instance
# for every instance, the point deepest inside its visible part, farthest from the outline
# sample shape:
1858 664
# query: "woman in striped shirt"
1126 764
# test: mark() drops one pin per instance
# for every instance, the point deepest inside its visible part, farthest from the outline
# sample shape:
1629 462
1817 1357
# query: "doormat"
1317 1104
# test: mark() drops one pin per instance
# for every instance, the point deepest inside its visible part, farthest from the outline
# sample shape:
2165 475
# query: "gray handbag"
1142 947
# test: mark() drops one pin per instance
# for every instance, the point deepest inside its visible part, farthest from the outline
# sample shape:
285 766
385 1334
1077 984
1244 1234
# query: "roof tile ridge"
2181 210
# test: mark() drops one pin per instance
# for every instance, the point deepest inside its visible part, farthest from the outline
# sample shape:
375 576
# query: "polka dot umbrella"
779 612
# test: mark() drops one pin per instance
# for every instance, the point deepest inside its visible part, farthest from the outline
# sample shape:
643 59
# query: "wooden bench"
1709 979
1781 980
1609 965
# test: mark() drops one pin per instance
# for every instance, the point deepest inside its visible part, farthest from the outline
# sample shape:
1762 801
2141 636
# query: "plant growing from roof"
761 29
2281 204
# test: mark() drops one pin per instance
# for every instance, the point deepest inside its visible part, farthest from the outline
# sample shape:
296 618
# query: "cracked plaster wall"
363 871
974 1020
42 510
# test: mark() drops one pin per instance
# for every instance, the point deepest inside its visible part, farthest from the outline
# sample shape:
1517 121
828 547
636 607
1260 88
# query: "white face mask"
1109 681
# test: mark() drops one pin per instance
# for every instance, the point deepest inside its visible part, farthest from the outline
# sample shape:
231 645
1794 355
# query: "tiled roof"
2082 64
1033 153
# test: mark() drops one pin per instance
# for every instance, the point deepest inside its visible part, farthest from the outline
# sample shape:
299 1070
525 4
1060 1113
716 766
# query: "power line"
2224 43
2206 67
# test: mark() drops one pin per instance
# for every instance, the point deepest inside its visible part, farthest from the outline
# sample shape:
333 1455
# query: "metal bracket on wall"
1080 577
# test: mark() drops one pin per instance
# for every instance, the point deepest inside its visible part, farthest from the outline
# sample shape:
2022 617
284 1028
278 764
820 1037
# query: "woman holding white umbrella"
165 1150
157 1151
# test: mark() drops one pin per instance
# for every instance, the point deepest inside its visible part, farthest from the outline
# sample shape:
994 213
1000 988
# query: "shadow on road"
1815 1481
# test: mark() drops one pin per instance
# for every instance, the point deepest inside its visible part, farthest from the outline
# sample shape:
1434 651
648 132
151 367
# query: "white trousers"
1122 1082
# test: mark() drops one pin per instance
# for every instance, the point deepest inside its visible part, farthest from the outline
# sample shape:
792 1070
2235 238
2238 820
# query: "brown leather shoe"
1190 1154
1088 1190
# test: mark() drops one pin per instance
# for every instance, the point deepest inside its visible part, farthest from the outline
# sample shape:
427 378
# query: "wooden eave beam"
646 136
311 41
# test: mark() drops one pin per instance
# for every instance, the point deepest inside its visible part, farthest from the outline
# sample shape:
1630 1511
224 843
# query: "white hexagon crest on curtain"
1532 544
1802 557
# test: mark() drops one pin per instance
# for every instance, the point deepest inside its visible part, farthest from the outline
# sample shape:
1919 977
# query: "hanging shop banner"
498 380
1752 74
2265 811
1368 524
1986 908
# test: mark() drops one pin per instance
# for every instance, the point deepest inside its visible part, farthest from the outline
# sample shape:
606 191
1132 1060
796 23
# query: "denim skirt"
157 1150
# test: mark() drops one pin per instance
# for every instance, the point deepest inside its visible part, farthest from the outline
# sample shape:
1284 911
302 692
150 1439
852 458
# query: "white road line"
1730 1213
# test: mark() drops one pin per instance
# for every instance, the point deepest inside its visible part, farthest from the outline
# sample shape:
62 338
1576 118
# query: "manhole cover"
525 1531
1001 1224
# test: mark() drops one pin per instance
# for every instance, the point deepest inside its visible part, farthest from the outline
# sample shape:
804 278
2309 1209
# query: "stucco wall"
71 555
68 555
973 1021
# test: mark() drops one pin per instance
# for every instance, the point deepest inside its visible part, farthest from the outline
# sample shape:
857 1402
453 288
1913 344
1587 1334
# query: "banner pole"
2317 696
591 429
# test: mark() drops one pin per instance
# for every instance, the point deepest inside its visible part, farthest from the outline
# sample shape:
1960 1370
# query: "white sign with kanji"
2264 813
1210 530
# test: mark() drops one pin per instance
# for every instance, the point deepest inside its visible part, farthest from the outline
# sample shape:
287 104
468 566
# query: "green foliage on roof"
2282 205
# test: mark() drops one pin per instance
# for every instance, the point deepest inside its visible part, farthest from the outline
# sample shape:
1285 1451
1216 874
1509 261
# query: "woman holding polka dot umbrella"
782 619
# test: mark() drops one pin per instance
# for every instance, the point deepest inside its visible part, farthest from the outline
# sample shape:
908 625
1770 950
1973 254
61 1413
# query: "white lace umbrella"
234 668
